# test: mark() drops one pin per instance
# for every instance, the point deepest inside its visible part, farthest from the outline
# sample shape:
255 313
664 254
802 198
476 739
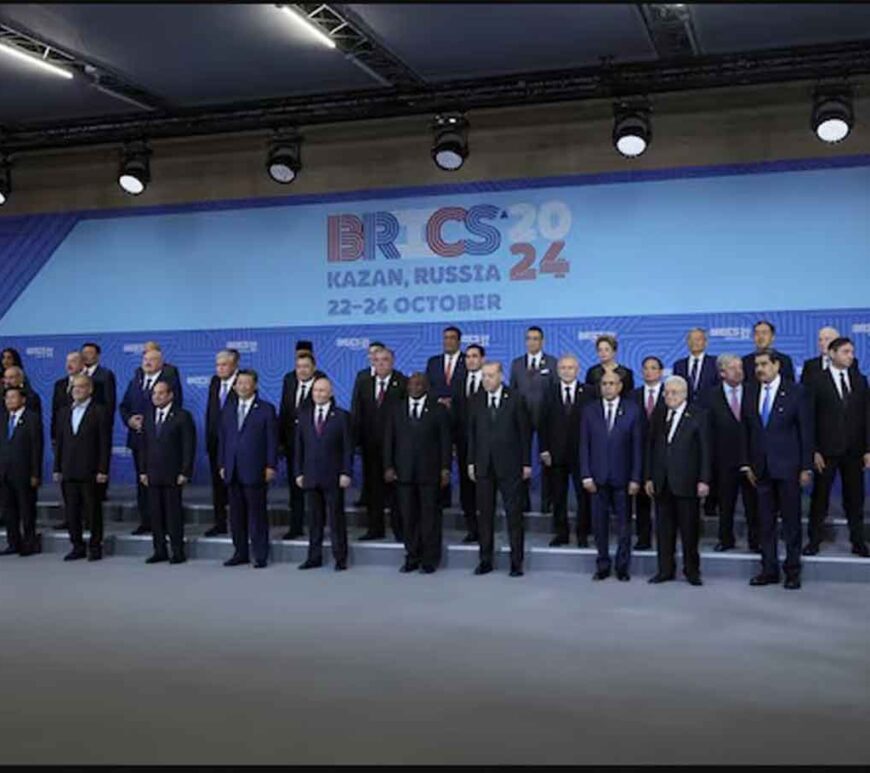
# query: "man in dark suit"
323 462
499 460
606 347
168 451
295 395
464 392
723 404
362 385
611 467
81 463
815 366
62 398
248 455
21 448
105 388
650 398
13 377
777 416
699 368
841 404
417 456
385 389
764 333
532 377
221 394
134 406
560 449
677 474
169 371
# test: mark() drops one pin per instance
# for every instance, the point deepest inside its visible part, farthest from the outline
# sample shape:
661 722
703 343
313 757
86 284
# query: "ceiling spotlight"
134 173
450 148
832 116
304 22
5 180
632 132
37 62
284 159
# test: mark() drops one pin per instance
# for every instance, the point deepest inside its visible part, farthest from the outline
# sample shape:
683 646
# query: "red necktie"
318 425
448 371
382 390
650 403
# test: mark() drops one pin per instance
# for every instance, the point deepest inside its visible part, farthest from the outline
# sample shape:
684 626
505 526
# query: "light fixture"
450 146
632 132
284 160
303 22
5 180
832 116
34 61
134 173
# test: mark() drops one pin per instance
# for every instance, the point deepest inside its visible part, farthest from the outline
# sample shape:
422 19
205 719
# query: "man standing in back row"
221 394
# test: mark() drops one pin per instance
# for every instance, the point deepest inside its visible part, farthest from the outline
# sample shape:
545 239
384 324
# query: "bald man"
819 364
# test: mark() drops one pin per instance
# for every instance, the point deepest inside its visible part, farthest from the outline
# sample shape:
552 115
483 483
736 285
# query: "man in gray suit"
533 375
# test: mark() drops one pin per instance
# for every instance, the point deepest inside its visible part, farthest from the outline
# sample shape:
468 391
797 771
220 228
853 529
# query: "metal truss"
670 29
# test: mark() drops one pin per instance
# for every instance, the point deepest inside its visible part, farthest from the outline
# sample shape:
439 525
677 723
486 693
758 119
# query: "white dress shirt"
243 409
148 382
473 379
675 415
416 404
162 413
91 368
306 385
835 374
450 360
655 389
227 384
497 395
700 359
386 382
607 404
774 388
572 390
16 416
78 413
534 360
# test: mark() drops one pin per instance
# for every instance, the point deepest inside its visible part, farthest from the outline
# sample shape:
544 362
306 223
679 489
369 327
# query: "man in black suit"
168 370
532 377
385 389
499 460
62 398
220 395
724 406
417 456
764 333
323 462
841 405
81 463
105 388
21 448
815 366
560 449
135 404
464 392
295 395
168 451
677 475
651 399
13 377
778 422
699 368
363 384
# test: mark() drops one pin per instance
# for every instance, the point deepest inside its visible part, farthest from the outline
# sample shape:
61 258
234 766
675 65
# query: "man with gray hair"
13 378
819 365
220 395
699 368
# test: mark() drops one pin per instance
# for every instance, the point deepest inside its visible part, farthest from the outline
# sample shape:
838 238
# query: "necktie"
11 428
318 425
382 389
694 374
241 415
147 385
533 365
448 370
765 406
225 387
161 417
475 385
844 387
493 407
302 393
609 416
650 402
668 424
567 396
415 409
735 403
471 390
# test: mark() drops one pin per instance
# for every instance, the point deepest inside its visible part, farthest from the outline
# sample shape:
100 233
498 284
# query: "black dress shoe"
260 564
601 574
792 583
340 566
623 576
309 564
860 549
8 551
156 559
516 572
764 579
409 566
694 580
469 538
721 547
293 535
75 555
811 549
427 569
368 536
582 542
556 541
63 526
140 530
26 552
178 560
236 561
659 578
483 568
95 555
642 546
215 531
754 547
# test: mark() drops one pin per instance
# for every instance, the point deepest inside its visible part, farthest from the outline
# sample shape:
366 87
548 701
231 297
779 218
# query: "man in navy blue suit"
764 333
699 368
134 406
322 464
778 460
248 455
611 467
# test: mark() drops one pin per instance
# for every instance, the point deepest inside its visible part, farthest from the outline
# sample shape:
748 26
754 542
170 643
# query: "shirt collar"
247 403
166 408
90 369
837 371
497 394
153 377
229 381
17 414
614 402
655 387
677 412
82 405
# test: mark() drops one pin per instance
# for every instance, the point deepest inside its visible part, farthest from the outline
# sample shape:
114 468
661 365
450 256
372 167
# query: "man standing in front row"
248 454
168 448
417 456
778 455
81 464
677 475
221 394
611 467
322 464
499 460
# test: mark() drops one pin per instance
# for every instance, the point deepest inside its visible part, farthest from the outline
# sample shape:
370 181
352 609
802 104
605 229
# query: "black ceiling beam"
670 29
830 62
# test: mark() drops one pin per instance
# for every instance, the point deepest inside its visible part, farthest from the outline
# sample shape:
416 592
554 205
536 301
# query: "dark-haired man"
764 333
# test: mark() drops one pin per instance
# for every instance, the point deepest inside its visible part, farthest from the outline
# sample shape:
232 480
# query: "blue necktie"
765 406
11 428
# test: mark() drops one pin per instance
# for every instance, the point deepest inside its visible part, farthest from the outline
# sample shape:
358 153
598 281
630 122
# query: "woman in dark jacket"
605 347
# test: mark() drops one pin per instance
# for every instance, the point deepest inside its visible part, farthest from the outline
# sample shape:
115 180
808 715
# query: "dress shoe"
63 526
516 572
95 555
556 541
293 535
340 566
660 578
215 531
75 554
601 574
811 549
178 560
860 549
409 566
483 568
754 547
8 551
368 536
469 538
260 564
28 551
694 580
582 542
721 547
642 546
623 576
764 579
427 569
156 559
236 561
140 530
792 583
309 564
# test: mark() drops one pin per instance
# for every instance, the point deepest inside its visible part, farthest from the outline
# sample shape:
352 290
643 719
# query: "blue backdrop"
644 255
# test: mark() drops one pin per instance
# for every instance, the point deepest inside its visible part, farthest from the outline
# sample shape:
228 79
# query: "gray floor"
119 662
